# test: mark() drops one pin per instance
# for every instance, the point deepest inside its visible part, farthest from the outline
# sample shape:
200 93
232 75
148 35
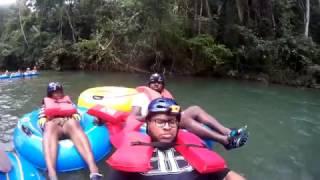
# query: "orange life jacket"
58 108
152 94
132 157
109 116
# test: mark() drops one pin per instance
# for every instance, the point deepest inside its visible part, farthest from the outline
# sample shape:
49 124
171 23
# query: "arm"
225 174
41 112
233 176
139 105
136 111
42 117
76 115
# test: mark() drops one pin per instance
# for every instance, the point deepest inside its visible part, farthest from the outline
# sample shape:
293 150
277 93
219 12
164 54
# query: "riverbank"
311 78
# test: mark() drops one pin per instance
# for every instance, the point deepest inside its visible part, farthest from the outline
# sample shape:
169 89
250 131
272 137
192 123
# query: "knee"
196 108
73 125
192 112
186 122
50 128
193 108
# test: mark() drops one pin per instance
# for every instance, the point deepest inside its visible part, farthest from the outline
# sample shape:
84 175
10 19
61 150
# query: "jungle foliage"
268 40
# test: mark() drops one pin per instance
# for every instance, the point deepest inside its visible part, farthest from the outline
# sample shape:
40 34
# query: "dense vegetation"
268 40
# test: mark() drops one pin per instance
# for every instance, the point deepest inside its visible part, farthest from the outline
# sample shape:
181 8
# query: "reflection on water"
13 97
284 122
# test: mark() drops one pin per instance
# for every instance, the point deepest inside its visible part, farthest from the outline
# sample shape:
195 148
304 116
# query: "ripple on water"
305 119
8 122
303 132
316 129
258 160
283 171
5 116
296 161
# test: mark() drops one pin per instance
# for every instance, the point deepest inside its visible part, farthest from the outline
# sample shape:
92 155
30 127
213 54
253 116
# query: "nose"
166 126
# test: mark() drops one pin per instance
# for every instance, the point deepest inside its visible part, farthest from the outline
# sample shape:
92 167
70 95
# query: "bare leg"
198 114
80 140
5 164
51 135
233 176
202 131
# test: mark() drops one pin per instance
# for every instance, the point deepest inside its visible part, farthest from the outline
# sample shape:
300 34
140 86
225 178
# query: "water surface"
284 122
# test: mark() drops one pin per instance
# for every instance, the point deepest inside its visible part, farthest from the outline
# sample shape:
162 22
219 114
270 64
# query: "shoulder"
140 95
140 98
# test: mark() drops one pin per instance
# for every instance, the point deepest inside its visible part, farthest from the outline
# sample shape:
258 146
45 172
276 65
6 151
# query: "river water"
284 122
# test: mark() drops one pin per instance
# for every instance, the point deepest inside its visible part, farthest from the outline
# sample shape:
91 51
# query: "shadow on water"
284 122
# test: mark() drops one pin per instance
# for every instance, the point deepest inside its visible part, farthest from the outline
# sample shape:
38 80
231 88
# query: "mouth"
166 136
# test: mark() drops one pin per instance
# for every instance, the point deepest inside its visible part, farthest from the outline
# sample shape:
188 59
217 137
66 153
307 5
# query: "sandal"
237 138
235 132
95 176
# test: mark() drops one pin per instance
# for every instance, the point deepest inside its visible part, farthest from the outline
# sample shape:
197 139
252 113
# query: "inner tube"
20 169
118 98
31 74
16 75
21 75
4 76
28 142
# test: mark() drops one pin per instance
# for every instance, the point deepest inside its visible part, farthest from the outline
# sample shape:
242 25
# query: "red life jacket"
109 116
59 108
136 158
152 94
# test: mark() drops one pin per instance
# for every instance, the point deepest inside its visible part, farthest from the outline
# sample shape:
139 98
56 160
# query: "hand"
42 121
76 117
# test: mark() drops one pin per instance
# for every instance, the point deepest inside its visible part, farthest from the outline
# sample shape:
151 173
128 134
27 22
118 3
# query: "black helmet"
156 77
53 87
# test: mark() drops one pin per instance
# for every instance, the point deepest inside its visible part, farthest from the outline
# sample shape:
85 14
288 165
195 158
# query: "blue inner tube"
30 74
4 77
28 142
20 169
21 75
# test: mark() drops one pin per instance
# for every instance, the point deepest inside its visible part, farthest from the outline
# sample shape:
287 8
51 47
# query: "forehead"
156 82
165 117
57 92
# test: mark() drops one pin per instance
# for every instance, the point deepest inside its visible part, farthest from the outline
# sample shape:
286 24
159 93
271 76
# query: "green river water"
283 122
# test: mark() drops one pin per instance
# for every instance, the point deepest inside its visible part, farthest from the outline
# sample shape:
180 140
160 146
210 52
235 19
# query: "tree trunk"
70 24
199 18
220 6
307 18
61 24
208 10
21 26
273 23
195 22
239 9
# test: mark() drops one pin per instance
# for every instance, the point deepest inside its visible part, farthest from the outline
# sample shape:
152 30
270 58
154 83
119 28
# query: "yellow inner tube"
118 98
